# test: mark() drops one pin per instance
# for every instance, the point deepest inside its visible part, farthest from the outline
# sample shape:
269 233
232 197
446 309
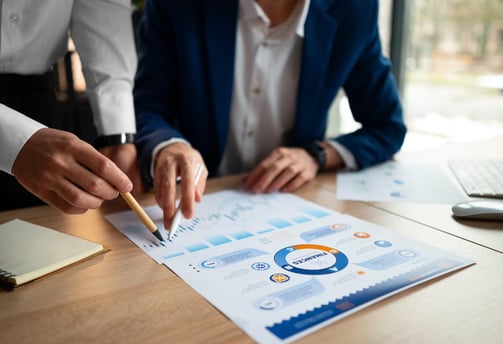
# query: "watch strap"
318 152
112 140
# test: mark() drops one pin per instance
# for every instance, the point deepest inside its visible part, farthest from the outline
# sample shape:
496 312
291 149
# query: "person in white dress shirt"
37 152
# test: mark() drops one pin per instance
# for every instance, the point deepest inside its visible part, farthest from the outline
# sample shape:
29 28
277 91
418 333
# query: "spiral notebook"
29 251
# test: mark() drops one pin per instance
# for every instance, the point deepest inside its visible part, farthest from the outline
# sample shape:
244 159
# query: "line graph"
222 218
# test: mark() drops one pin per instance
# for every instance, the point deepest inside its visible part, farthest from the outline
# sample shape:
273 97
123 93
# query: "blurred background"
448 59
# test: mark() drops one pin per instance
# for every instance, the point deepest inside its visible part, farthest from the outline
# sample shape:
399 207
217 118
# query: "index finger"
188 186
262 176
104 168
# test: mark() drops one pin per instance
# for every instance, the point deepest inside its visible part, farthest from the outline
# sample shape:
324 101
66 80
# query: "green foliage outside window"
139 4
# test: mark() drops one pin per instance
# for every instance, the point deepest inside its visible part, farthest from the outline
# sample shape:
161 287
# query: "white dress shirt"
34 35
266 76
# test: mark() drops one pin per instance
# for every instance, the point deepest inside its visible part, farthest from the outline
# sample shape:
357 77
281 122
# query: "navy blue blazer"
184 81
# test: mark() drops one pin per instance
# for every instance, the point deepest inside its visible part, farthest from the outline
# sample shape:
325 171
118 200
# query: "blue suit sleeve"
155 89
375 103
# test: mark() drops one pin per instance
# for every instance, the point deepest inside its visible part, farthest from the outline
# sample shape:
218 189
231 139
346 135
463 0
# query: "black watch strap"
112 140
317 151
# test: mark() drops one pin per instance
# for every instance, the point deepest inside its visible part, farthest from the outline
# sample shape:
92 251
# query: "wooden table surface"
123 296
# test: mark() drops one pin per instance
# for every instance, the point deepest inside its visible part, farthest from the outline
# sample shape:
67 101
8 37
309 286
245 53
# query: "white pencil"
178 214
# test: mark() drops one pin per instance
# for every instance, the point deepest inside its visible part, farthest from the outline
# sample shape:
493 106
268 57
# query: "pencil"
178 213
142 215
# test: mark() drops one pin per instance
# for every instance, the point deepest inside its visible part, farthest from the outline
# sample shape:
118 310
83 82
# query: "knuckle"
93 186
305 176
71 141
275 167
103 165
54 163
159 200
74 198
291 168
165 184
78 199
262 166
281 151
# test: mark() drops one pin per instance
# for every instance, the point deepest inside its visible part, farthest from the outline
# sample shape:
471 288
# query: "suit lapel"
320 29
220 32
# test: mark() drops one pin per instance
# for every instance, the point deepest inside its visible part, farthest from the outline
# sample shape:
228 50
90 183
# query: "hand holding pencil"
142 215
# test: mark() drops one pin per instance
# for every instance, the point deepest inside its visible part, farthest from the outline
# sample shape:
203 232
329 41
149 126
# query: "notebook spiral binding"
6 274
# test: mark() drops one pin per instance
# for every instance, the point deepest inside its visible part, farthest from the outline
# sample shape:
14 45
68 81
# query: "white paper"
398 181
281 267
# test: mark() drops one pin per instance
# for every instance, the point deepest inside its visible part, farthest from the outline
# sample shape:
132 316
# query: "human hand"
178 160
67 173
125 157
285 169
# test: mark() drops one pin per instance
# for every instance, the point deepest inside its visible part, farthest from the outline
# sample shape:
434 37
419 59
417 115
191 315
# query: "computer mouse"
479 210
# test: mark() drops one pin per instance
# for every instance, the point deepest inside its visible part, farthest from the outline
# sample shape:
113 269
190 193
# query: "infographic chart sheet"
281 267
398 181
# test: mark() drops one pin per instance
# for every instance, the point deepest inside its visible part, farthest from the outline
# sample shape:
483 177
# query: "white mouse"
479 210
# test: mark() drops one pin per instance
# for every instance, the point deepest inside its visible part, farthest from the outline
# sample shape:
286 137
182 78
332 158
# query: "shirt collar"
302 19
250 10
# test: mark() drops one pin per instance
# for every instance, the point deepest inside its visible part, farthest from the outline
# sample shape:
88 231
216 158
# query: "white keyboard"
479 178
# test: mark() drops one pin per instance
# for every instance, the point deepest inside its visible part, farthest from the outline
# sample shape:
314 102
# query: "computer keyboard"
479 178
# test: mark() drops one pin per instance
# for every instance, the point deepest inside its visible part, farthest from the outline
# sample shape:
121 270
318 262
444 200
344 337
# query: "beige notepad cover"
29 251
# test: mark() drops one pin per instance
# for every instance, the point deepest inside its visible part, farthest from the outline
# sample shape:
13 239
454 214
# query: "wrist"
334 158
112 140
317 151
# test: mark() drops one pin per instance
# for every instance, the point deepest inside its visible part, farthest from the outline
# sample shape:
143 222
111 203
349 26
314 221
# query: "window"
453 85
340 117
450 66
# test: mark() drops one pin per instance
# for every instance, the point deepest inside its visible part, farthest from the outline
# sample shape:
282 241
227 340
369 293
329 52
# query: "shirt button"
257 90
14 18
265 44
249 133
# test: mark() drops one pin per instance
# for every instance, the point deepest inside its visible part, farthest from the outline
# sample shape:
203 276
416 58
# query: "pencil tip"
158 235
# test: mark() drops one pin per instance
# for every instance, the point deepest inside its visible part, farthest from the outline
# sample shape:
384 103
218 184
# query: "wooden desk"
125 297
439 216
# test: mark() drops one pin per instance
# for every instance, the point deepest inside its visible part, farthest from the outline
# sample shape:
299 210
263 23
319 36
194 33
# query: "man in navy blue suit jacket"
245 86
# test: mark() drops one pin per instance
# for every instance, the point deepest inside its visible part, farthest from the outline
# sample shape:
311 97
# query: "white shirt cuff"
113 109
346 155
15 130
160 146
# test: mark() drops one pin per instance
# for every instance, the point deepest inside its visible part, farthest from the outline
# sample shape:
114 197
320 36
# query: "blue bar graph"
196 247
279 223
315 212
301 219
241 235
218 240
173 255
265 231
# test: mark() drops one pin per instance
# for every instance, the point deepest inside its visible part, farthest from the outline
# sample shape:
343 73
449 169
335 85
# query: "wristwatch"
112 140
318 152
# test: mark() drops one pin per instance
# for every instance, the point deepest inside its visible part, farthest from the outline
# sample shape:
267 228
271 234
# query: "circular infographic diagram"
310 259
